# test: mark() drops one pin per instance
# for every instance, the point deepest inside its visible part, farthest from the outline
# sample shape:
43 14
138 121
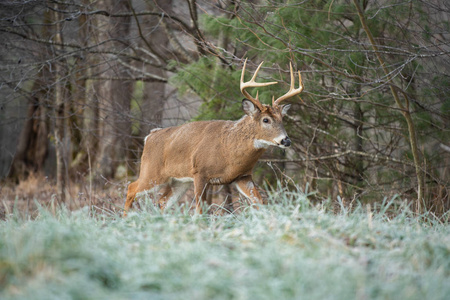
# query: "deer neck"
242 134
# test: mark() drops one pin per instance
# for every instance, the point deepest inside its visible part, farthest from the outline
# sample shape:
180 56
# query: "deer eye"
266 120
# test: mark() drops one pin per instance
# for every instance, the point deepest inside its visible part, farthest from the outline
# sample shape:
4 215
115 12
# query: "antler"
292 91
252 83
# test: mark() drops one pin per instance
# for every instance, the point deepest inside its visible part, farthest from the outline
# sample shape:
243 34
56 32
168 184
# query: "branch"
142 35
146 74
445 147
138 78
347 152
142 13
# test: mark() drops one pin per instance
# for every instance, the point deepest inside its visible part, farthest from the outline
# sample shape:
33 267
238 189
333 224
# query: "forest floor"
37 190
288 249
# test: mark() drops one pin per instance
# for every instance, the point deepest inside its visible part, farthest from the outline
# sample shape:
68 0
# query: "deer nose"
286 142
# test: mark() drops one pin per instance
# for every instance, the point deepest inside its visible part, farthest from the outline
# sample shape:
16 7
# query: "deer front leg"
200 188
247 188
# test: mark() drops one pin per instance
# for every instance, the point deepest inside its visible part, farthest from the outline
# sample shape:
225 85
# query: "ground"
287 249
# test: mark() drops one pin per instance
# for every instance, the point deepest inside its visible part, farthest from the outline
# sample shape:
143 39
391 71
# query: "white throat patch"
262 144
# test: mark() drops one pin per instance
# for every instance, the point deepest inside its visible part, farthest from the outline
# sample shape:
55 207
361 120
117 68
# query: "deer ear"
249 108
285 109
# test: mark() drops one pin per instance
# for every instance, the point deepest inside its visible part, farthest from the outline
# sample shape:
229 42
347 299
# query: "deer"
215 152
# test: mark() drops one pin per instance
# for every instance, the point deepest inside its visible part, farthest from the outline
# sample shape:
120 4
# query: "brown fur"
209 152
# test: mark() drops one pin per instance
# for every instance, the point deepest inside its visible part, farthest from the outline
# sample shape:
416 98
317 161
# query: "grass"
288 249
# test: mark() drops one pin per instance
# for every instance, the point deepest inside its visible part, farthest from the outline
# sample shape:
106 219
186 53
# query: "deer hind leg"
136 189
247 188
200 189
131 195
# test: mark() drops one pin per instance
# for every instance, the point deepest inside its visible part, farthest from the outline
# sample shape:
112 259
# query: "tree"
79 65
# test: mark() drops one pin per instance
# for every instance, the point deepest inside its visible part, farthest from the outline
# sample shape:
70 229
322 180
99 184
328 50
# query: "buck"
212 152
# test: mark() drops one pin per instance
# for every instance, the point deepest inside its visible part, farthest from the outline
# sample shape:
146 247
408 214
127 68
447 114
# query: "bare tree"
79 64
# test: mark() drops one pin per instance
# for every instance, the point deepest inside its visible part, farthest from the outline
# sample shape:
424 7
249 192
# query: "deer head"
269 119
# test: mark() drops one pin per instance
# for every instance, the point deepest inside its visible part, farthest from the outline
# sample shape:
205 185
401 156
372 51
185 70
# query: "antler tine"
252 83
292 91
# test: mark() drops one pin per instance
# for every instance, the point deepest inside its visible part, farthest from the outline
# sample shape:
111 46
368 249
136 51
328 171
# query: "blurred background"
82 82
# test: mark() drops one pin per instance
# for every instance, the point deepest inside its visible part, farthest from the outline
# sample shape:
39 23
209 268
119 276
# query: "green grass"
288 249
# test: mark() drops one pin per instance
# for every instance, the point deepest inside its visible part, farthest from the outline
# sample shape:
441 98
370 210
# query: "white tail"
212 152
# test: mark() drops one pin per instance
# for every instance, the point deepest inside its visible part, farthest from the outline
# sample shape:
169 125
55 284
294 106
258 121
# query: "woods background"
83 82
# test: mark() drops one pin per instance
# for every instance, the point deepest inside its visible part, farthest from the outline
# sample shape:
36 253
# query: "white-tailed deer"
212 152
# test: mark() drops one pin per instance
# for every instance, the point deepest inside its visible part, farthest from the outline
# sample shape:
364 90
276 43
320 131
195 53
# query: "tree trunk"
85 96
154 93
113 96
154 96
32 147
358 142
60 117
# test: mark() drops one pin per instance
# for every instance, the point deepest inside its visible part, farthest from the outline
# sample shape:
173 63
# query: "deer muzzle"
286 142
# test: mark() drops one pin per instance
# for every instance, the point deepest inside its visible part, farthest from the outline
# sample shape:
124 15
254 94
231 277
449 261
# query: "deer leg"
247 188
131 195
165 193
200 188
135 189
178 189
